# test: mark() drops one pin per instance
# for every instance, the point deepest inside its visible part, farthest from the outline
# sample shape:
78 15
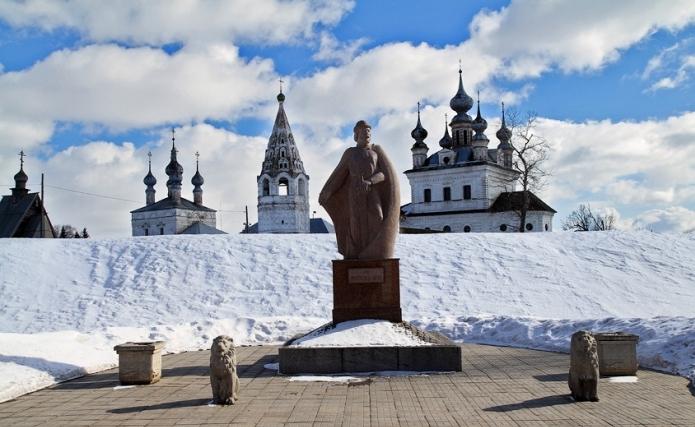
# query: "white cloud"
533 36
673 219
333 50
137 87
680 76
157 22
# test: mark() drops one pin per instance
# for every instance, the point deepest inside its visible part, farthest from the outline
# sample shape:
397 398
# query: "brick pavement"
498 387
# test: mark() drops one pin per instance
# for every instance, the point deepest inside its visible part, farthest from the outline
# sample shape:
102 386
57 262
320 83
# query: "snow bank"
84 296
361 333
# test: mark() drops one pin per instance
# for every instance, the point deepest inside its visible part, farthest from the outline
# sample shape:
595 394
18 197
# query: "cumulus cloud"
158 22
673 219
137 87
531 36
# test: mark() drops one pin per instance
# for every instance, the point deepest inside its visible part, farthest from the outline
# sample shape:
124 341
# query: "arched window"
266 187
446 229
282 152
147 231
301 187
447 193
546 227
467 229
283 187
161 230
428 195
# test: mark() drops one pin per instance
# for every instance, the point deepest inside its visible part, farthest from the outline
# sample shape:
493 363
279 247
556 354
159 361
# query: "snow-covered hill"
529 290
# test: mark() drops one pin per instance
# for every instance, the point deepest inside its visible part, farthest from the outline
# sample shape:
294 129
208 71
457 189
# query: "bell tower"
283 185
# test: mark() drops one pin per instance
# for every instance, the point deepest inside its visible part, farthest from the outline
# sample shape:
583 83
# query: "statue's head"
363 133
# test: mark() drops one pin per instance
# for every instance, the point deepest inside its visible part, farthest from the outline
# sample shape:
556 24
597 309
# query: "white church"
466 186
174 214
283 185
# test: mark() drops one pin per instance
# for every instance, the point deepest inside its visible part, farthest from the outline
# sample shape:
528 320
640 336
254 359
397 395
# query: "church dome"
281 97
21 178
174 168
479 124
419 133
504 134
149 180
461 102
446 141
197 179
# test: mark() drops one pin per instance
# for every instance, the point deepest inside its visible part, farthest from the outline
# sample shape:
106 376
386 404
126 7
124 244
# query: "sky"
88 88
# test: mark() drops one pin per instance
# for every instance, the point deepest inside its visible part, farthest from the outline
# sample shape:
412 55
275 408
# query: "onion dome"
461 102
504 134
174 169
419 133
150 180
446 141
479 124
20 179
197 179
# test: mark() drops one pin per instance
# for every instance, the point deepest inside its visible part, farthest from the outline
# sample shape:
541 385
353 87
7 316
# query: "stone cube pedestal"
139 362
366 289
617 353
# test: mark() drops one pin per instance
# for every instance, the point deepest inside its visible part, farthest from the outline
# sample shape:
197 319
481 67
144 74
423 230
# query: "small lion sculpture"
583 378
223 376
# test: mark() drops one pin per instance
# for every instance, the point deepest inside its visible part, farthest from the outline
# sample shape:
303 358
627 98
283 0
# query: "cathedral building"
22 213
174 214
283 185
466 186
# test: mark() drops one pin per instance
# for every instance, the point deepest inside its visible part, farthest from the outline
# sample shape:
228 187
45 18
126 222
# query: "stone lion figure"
223 376
583 378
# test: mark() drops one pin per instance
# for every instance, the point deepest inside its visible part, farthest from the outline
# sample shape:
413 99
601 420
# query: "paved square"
499 386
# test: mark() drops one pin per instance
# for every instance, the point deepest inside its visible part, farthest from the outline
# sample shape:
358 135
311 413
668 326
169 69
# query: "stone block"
367 359
314 360
334 360
140 362
617 353
366 289
433 358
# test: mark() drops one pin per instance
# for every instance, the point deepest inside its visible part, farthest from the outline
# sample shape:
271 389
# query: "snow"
65 303
361 333
625 379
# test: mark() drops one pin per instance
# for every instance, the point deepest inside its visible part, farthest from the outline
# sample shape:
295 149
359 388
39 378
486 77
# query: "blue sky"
632 70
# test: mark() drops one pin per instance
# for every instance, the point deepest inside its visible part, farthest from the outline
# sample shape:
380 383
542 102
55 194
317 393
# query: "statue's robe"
366 222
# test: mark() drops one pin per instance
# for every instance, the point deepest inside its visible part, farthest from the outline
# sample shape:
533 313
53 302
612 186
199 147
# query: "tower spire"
197 182
149 181
175 171
20 178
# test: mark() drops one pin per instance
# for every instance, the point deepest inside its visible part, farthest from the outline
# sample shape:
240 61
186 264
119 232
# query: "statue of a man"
363 199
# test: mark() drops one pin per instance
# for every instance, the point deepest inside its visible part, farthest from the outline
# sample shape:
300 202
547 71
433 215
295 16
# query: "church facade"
466 186
174 214
283 185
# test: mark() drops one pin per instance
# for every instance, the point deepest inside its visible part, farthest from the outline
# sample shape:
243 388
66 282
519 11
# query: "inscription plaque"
366 275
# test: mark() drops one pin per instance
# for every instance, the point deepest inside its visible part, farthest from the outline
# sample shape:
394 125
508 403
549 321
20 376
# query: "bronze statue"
363 199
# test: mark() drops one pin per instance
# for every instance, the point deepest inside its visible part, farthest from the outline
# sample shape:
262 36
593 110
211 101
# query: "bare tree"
530 154
583 219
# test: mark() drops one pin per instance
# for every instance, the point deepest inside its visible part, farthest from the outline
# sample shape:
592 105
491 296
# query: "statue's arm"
335 181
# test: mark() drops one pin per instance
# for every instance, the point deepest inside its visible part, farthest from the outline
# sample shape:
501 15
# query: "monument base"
366 289
442 355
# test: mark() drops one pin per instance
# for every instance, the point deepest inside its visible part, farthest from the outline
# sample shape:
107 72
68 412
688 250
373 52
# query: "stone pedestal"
617 353
139 362
366 289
